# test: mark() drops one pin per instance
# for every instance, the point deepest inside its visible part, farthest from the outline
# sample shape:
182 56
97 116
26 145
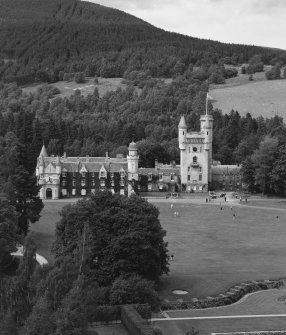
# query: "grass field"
68 88
211 250
258 97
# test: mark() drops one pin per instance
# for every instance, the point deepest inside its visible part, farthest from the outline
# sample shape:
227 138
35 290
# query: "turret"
207 129
43 151
58 165
41 164
182 133
132 160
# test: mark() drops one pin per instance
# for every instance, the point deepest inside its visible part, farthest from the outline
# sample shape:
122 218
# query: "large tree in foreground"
112 236
22 193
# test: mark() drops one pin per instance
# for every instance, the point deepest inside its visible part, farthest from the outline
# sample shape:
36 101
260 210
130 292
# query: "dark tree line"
69 36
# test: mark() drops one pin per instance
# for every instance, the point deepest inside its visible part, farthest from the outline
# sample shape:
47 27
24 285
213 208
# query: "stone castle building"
196 155
198 171
80 176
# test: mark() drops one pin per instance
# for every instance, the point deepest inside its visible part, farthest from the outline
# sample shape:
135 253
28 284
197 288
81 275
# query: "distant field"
258 97
68 88
211 250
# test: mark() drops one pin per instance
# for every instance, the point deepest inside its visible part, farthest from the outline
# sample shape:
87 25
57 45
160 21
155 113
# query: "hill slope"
41 38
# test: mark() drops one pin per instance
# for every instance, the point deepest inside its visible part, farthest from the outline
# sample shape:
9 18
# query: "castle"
80 176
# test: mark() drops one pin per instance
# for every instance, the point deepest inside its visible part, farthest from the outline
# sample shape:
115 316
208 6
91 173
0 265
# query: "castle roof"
156 172
90 164
43 151
182 123
132 146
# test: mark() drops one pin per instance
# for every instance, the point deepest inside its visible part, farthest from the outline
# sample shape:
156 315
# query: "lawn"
44 230
258 97
212 251
206 327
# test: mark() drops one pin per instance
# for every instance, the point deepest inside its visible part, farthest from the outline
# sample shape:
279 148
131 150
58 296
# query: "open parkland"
215 245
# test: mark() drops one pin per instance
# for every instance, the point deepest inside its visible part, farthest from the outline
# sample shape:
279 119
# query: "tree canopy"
115 236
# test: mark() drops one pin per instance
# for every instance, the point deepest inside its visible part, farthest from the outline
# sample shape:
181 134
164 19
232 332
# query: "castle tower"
48 173
207 129
182 133
196 155
132 160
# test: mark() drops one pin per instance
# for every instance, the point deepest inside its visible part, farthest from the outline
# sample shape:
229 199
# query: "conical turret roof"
132 146
43 151
182 123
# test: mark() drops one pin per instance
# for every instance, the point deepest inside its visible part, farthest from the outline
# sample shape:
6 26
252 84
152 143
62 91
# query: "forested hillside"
39 40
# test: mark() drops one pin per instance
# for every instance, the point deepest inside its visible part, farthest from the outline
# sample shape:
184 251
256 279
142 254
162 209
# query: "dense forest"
40 40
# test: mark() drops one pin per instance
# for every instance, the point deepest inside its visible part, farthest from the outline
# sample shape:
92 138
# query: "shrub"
273 73
79 77
133 289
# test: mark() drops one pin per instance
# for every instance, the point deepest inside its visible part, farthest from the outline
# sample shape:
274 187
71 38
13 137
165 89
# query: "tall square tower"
196 155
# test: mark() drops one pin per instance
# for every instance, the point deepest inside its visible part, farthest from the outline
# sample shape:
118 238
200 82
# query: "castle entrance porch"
49 193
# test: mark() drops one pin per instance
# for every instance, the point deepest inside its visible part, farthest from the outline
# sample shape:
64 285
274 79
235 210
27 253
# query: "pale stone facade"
81 176
196 155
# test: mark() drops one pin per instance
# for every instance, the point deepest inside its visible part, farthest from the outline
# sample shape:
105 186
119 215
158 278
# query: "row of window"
103 174
83 182
83 191
161 176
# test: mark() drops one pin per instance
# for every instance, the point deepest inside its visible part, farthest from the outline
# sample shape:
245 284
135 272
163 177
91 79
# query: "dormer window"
83 174
64 174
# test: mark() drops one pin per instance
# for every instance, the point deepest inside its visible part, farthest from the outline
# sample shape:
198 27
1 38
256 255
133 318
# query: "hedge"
134 322
234 294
